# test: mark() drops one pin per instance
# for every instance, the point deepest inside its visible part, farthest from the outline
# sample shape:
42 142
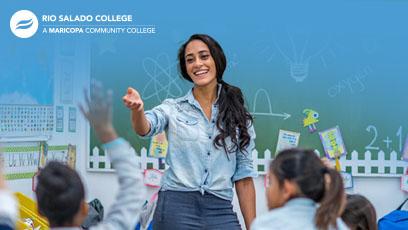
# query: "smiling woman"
200 66
210 128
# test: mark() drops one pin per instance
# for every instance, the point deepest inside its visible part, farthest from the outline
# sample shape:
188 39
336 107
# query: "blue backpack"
395 220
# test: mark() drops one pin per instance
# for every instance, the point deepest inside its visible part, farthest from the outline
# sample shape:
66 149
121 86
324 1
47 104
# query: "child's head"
359 213
60 195
300 173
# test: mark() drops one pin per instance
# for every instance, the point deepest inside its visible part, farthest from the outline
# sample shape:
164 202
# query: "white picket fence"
391 164
95 160
143 160
381 167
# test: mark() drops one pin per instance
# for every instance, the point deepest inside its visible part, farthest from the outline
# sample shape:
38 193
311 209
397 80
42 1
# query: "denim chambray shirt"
194 163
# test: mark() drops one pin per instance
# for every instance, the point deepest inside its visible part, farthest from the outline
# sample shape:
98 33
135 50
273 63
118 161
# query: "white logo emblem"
24 24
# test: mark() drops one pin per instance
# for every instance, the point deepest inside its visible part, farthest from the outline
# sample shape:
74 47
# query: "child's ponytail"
331 203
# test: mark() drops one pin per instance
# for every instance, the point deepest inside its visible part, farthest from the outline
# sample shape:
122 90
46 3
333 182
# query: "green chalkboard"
350 68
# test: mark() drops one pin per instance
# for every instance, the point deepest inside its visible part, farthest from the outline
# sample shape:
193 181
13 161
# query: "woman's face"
200 64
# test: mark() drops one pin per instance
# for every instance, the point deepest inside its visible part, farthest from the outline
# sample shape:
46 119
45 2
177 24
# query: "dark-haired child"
302 194
60 192
359 213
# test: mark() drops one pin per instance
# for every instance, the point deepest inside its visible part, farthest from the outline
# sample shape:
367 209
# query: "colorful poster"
158 146
20 160
71 157
333 143
63 153
152 177
287 140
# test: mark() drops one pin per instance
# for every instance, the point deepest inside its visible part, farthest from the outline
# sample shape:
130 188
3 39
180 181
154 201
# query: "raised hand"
99 112
132 100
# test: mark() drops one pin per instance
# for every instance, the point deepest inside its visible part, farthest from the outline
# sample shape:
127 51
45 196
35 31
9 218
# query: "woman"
211 138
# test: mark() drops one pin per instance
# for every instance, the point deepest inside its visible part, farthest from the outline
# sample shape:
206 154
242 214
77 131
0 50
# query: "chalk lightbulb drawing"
298 60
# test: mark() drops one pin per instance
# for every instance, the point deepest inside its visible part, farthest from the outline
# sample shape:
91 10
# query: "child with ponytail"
302 193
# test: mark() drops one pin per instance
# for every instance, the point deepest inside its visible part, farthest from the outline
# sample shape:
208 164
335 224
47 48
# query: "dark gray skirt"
192 210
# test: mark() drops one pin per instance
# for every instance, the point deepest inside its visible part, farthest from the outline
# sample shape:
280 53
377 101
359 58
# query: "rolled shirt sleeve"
245 165
158 118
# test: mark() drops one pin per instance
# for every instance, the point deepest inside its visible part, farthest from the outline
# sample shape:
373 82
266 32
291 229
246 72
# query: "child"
60 192
302 194
359 213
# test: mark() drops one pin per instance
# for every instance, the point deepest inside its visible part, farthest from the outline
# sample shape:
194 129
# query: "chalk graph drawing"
163 78
298 58
269 112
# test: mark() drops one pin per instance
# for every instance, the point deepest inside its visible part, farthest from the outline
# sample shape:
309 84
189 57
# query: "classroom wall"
383 192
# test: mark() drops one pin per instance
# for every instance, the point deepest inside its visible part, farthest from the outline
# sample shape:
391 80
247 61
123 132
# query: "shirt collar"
300 201
190 97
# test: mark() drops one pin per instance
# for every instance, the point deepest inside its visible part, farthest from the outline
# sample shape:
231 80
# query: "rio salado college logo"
24 24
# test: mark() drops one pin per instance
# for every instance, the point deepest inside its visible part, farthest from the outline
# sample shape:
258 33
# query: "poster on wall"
286 140
20 160
63 153
158 146
333 143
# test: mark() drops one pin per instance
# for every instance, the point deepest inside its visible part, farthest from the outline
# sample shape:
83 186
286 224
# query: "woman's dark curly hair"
233 118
